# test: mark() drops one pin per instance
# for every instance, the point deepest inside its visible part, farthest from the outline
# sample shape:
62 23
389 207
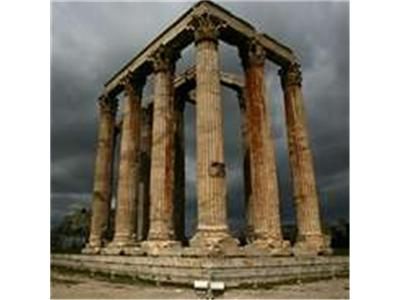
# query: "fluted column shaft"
179 191
246 168
211 178
162 154
145 163
210 156
310 235
264 184
102 191
126 208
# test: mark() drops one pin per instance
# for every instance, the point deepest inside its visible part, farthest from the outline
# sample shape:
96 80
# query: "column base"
269 247
160 231
214 241
160 247
94 246
250 234
90 249
122 246
122 250
312 245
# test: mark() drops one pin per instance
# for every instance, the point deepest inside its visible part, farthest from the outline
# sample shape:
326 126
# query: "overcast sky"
91 41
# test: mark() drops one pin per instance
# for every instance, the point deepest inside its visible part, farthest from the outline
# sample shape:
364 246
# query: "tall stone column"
161 233
310 239
145 163
264 184
102 190
246 169
128 180
179 190
212 230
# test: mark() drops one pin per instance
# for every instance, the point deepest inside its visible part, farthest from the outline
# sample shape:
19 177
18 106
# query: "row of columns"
166 161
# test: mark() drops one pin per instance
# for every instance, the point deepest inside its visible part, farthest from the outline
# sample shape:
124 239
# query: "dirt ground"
76 286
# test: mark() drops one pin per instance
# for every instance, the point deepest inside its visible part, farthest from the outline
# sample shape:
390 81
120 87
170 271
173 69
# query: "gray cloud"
91 41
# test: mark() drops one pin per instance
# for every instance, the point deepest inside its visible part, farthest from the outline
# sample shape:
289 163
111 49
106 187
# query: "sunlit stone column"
212 230
179 191
246 169
264 185
145 162
102 191
128 180
310 239
161 233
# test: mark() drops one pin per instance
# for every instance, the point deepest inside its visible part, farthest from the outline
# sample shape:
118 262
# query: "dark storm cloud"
91 41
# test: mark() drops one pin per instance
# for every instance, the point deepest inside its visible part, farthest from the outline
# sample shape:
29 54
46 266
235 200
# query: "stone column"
264 184
212 230
145 162
246 169
179 191
102 191
310 239
161 233
126 208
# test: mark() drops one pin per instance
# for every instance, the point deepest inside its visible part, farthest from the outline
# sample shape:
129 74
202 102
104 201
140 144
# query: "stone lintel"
186 81
180 35
238 30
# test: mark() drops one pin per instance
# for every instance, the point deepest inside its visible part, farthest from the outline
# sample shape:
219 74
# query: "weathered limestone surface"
310 238
126 208
161 232
102 191
212 230
264 185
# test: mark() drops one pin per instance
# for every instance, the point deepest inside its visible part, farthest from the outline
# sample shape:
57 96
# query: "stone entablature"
180 35
151 168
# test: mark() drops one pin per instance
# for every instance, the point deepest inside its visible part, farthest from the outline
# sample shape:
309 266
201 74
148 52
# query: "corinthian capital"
133 83
108 105
206 27
290 75
252 53
163 59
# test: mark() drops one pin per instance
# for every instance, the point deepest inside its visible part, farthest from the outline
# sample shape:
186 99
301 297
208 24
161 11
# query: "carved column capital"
133 83
164 58
206 27
107 105
290 75
252 53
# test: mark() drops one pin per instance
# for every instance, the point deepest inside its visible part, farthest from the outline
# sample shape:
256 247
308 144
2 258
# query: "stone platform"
233 271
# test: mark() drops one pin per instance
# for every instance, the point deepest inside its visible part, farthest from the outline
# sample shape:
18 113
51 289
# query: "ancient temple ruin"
151 165
149 238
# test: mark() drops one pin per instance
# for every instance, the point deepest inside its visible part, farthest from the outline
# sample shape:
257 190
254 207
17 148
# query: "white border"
25 128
